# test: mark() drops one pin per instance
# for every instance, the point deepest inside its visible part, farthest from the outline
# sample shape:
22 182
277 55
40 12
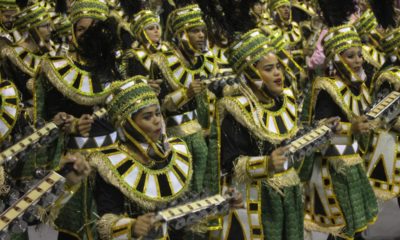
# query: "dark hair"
98 45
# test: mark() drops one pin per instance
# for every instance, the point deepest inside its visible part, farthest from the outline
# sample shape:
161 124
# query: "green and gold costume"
339 199
126 186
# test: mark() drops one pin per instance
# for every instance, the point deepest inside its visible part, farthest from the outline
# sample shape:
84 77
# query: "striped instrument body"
387 109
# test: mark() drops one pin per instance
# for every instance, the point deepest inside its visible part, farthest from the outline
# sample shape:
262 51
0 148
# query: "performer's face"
149 120
284 12
258 8
153 31
82 25
353 58
198 37
271 73
6 18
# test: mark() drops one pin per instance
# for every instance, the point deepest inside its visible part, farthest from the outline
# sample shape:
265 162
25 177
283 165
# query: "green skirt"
283 215
356 198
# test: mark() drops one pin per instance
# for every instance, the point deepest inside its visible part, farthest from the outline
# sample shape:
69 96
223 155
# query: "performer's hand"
360 125
63 120
143 225
278 158
333 123
155 85
195 88
237 198
84 125
81 168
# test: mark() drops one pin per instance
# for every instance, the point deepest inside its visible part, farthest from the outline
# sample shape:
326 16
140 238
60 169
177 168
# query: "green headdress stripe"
186 17
366 23
95 9
391 41
339 39
133 95
62 25
142 19
32 16
8 5
249 49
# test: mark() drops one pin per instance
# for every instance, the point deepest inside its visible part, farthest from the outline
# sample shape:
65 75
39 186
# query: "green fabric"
46 158
202 110
95 9
198 147
282 215
305 168
76 218
212 174
21 236
356 197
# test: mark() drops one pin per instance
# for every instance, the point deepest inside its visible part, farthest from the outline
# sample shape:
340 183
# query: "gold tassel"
335 231
384 195
282 180
240 167
42 214
4 189
340 164
105 224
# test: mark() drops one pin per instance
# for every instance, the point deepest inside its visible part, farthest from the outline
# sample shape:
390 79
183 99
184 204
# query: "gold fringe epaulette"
177 73
64 76
140 183
333 87
264 126
26 61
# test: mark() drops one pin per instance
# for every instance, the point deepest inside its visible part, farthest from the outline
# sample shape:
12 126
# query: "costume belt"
94 142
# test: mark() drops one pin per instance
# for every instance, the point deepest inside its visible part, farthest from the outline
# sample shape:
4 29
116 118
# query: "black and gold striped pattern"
9 108
142 184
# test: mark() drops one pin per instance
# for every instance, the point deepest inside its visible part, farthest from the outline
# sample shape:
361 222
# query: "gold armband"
112 226
249 168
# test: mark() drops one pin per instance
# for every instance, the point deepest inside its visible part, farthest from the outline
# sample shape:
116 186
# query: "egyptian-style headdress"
273 6
32 16
180 21
142 20
340 37
122 105
8 5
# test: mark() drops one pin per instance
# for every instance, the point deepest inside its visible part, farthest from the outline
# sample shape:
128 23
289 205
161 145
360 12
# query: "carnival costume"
371 48
186 118
126 187
382 161
138 60
65 84
20 64
291 30
249 132
339 199
8 34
